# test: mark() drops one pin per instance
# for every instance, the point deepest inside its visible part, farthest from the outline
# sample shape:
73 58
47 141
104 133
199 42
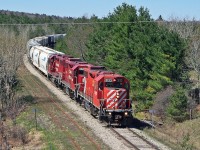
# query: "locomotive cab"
116 105
56 68
78 75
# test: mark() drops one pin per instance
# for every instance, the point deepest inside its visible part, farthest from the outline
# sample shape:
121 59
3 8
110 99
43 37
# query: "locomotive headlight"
126 113
117 95
110 113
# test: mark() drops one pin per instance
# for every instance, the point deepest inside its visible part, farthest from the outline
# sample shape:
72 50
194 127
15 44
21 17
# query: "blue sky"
101 8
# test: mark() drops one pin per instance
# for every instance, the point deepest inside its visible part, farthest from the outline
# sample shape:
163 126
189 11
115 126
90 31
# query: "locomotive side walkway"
105 134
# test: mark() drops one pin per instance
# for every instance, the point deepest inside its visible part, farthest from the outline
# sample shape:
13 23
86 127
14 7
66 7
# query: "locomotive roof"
107 74
64 56
74 59
81 64
94 70
97 68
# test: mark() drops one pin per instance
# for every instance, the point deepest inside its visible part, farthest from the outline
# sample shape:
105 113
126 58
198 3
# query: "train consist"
103 93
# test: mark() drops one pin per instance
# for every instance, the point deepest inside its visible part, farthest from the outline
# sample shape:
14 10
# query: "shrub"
177 108
19 133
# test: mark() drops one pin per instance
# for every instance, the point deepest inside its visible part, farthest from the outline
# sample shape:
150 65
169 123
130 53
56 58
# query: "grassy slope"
52 132
179 136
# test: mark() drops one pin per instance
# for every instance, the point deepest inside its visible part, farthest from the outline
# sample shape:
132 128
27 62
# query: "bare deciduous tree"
162 101
12 49
185 28
189 30
77 39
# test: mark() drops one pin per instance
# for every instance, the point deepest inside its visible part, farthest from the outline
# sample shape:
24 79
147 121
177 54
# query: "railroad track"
133 140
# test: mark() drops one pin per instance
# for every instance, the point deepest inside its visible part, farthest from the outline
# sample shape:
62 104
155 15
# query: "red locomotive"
104 93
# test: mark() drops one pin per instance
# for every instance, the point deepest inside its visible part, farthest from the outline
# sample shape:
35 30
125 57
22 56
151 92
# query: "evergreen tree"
160 18
177 108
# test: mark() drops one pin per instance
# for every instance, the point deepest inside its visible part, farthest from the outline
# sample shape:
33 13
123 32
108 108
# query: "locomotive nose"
116 98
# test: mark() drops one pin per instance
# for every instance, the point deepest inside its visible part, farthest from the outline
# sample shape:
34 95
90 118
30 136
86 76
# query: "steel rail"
153 146
127 141
141 137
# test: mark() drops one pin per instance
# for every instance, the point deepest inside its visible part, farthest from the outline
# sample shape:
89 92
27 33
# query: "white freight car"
39 56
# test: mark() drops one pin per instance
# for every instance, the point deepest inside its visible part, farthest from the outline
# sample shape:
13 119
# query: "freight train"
103 93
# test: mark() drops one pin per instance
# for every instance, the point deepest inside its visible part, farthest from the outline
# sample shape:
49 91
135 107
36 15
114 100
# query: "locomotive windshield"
113 84
81 71
118 83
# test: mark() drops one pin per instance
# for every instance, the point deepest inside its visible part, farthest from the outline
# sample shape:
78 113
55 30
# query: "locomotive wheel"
48 77
77 99
124 122
109 123
92 111
71 94
67 91
84 104
100 118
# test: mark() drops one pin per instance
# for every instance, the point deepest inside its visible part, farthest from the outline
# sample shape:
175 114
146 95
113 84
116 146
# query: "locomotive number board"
108 80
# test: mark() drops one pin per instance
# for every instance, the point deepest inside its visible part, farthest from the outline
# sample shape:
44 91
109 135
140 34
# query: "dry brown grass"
34 142
184 135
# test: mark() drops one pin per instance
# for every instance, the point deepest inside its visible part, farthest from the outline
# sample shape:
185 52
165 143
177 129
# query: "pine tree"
177 108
